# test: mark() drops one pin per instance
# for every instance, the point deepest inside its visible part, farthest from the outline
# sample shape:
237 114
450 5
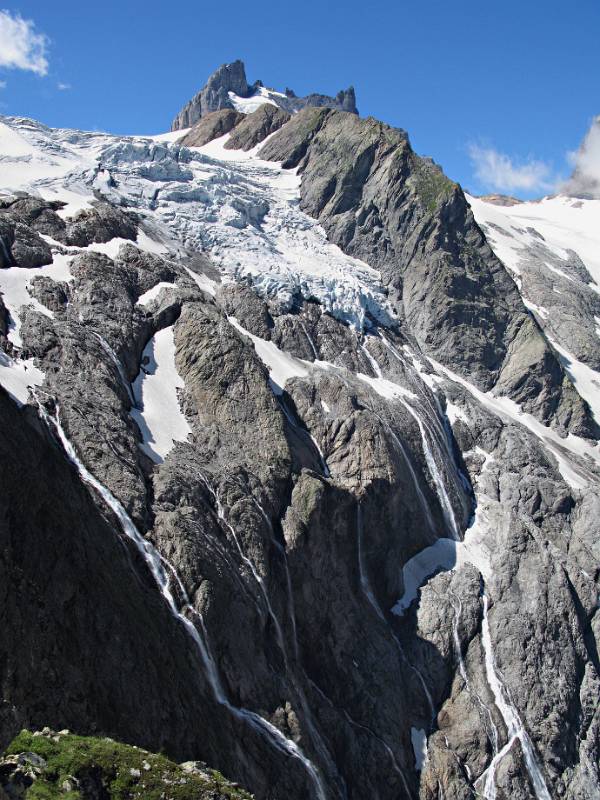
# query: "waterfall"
155 564
510 715
395 765
310 341
369 594
115 360
436 476
305 433
422 500
490 726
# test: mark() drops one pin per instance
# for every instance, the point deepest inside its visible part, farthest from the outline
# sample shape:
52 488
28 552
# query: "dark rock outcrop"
256 126
215 94
20 246
211 126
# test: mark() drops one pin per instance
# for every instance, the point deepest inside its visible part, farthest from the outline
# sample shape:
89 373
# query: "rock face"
380 202
293 481
257 126
215 95
212 126
231 78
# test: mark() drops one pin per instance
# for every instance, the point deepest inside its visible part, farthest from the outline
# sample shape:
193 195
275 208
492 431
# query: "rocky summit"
300 463
227 88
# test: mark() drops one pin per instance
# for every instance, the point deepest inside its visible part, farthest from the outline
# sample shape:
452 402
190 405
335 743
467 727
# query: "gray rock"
380 202
100 224
20 246
211 126
256 126
214 96
232 78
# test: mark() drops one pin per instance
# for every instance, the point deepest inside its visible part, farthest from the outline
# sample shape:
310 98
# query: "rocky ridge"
228 88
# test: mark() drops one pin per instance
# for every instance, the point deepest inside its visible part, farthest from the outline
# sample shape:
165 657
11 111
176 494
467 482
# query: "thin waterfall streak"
364 577
308 434
291 606
308 715
310 341
509 713
258 578
437 414
436 476
155 563
316 736
351 721
489 724
422 501
368 591
119 366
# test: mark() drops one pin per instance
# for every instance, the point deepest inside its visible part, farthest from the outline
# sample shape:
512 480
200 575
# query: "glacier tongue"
242 211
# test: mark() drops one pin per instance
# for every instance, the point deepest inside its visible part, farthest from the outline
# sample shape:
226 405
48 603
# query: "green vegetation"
78 767
430 183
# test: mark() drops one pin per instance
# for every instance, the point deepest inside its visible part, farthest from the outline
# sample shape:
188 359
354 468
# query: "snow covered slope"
552 249
241 211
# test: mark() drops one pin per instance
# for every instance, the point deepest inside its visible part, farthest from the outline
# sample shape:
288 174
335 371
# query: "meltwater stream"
156 566
434 471
510 715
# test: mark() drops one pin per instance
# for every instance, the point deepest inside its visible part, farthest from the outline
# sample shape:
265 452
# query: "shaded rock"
20 246
51 294
100 224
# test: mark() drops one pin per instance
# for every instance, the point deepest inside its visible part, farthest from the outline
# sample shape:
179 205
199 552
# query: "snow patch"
158 415
146 298
282 366
445 555
17 377
247 105
14 286
203 281
585 379
418 738
573 470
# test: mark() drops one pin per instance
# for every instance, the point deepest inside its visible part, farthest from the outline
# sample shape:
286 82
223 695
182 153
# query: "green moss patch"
78 767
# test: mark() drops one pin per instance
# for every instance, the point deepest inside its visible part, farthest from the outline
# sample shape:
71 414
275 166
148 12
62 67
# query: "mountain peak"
228 87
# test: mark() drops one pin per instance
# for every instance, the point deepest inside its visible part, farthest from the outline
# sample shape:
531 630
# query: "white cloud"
20 46
498 172
586 162
63 86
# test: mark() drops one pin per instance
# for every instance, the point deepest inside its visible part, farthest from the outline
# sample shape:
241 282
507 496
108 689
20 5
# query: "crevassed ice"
242 211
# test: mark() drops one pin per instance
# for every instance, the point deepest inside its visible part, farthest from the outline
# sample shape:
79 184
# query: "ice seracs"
240 210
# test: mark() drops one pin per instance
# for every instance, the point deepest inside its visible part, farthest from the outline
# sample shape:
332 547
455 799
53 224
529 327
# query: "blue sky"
498 93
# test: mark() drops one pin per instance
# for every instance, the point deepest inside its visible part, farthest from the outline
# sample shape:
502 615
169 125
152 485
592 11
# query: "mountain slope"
297 381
